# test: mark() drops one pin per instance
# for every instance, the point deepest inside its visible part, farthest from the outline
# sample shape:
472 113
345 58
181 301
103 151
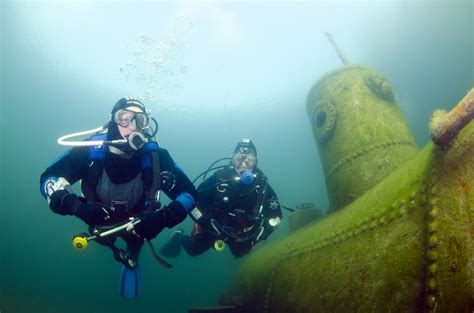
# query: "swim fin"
129 281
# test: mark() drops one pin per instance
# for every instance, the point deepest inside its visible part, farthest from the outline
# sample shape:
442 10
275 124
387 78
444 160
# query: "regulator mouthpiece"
247 178
136 140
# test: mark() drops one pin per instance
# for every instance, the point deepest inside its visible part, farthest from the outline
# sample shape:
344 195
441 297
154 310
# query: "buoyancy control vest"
226 210
150 171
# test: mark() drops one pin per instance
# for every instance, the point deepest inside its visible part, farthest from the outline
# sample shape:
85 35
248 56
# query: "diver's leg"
196 244
109 241
130 275
134 246
240 249
172 248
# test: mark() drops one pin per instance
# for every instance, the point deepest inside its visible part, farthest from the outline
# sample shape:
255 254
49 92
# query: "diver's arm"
56 180
205 201
55 184
272 213
183 194
206 191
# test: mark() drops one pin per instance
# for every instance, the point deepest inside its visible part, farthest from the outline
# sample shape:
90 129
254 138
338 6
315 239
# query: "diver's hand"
150 225
61 202
91 213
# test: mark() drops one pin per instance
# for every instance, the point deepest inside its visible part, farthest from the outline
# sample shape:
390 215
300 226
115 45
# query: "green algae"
360 133
406 245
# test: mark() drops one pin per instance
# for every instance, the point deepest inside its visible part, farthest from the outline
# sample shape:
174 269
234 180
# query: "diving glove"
92 214
151 224
68 203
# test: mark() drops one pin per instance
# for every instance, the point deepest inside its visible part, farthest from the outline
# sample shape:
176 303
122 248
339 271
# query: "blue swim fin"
129 281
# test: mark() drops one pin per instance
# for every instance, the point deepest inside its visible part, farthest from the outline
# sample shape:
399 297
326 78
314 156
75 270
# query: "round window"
324 119
379 86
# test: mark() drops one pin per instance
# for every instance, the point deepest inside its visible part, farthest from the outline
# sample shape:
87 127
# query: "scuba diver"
122 171
236 206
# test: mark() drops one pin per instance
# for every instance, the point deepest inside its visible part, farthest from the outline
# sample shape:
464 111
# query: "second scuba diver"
236 205
122 170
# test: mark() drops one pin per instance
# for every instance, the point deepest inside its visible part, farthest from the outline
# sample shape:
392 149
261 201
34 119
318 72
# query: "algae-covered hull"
359 130
406 245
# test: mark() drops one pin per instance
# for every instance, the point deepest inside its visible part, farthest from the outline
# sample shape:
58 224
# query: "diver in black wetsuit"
122 170
236 205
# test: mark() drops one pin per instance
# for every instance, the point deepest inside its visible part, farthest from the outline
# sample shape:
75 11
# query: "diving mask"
244 162
129 116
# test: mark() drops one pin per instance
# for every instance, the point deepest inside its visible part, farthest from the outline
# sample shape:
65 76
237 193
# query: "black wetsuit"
241 213
120 187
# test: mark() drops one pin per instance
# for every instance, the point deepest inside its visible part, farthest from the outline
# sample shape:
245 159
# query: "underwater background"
212 73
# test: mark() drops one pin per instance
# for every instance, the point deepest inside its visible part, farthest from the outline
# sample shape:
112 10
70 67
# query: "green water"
221 72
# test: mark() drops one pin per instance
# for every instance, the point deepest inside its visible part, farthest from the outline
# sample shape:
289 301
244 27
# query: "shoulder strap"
261 194
96 164
220 175
151 171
